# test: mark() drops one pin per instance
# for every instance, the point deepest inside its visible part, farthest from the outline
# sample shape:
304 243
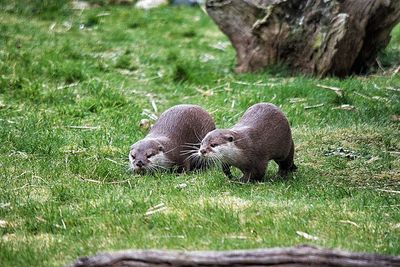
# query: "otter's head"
147 155
219 145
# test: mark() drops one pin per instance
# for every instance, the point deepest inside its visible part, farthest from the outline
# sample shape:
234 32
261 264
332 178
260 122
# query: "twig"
67 86
372 98
345 107
102 182
337 90
91 180
297 100
314 106
158 208
245 83
71 151
388 191
40 219
393 89
362 95
84 127
307 236
22 174
397 153
62 220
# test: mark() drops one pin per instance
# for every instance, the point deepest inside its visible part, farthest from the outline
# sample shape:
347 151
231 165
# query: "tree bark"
323 37
282 257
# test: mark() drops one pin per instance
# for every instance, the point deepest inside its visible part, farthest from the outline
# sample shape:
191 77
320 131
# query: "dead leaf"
206 58
3 224
145 124
395 118
181 186
221 45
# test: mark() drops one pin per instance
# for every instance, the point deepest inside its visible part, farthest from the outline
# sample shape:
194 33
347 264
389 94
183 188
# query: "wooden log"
322 37
282 257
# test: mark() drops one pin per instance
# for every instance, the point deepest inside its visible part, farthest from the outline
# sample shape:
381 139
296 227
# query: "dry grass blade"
349 222
115 162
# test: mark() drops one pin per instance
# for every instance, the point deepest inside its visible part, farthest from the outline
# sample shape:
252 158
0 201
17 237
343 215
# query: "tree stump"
276 257
323 37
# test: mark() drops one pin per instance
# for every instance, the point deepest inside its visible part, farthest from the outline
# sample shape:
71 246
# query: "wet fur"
262 134
173 139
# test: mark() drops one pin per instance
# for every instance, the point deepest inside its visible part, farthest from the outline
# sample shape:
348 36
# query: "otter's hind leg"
287 165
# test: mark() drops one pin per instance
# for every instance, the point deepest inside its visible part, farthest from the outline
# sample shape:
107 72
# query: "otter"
262 134
172 141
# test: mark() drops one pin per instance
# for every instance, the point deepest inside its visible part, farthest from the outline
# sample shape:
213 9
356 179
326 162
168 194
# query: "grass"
65 191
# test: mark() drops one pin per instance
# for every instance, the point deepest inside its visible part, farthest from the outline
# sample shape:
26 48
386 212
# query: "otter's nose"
203 151
139 164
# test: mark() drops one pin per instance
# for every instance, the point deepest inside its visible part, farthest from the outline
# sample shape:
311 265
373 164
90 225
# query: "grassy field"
73 88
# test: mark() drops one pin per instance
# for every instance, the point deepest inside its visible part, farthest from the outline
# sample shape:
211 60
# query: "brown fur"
261 135
172 140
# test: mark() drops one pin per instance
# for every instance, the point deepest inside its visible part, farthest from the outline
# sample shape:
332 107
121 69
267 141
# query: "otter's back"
184 121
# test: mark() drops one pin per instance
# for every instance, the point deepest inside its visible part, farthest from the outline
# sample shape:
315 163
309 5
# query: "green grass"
66 192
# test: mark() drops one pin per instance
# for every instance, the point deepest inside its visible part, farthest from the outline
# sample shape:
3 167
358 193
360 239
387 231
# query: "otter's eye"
149 155
230 139
132 156
213 145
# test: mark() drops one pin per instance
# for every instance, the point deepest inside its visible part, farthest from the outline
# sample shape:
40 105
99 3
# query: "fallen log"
277 257
323 37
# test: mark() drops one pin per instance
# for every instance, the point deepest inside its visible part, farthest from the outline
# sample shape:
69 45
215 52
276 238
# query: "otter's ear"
229 138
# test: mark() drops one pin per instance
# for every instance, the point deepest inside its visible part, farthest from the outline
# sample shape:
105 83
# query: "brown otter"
262 134
172 141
